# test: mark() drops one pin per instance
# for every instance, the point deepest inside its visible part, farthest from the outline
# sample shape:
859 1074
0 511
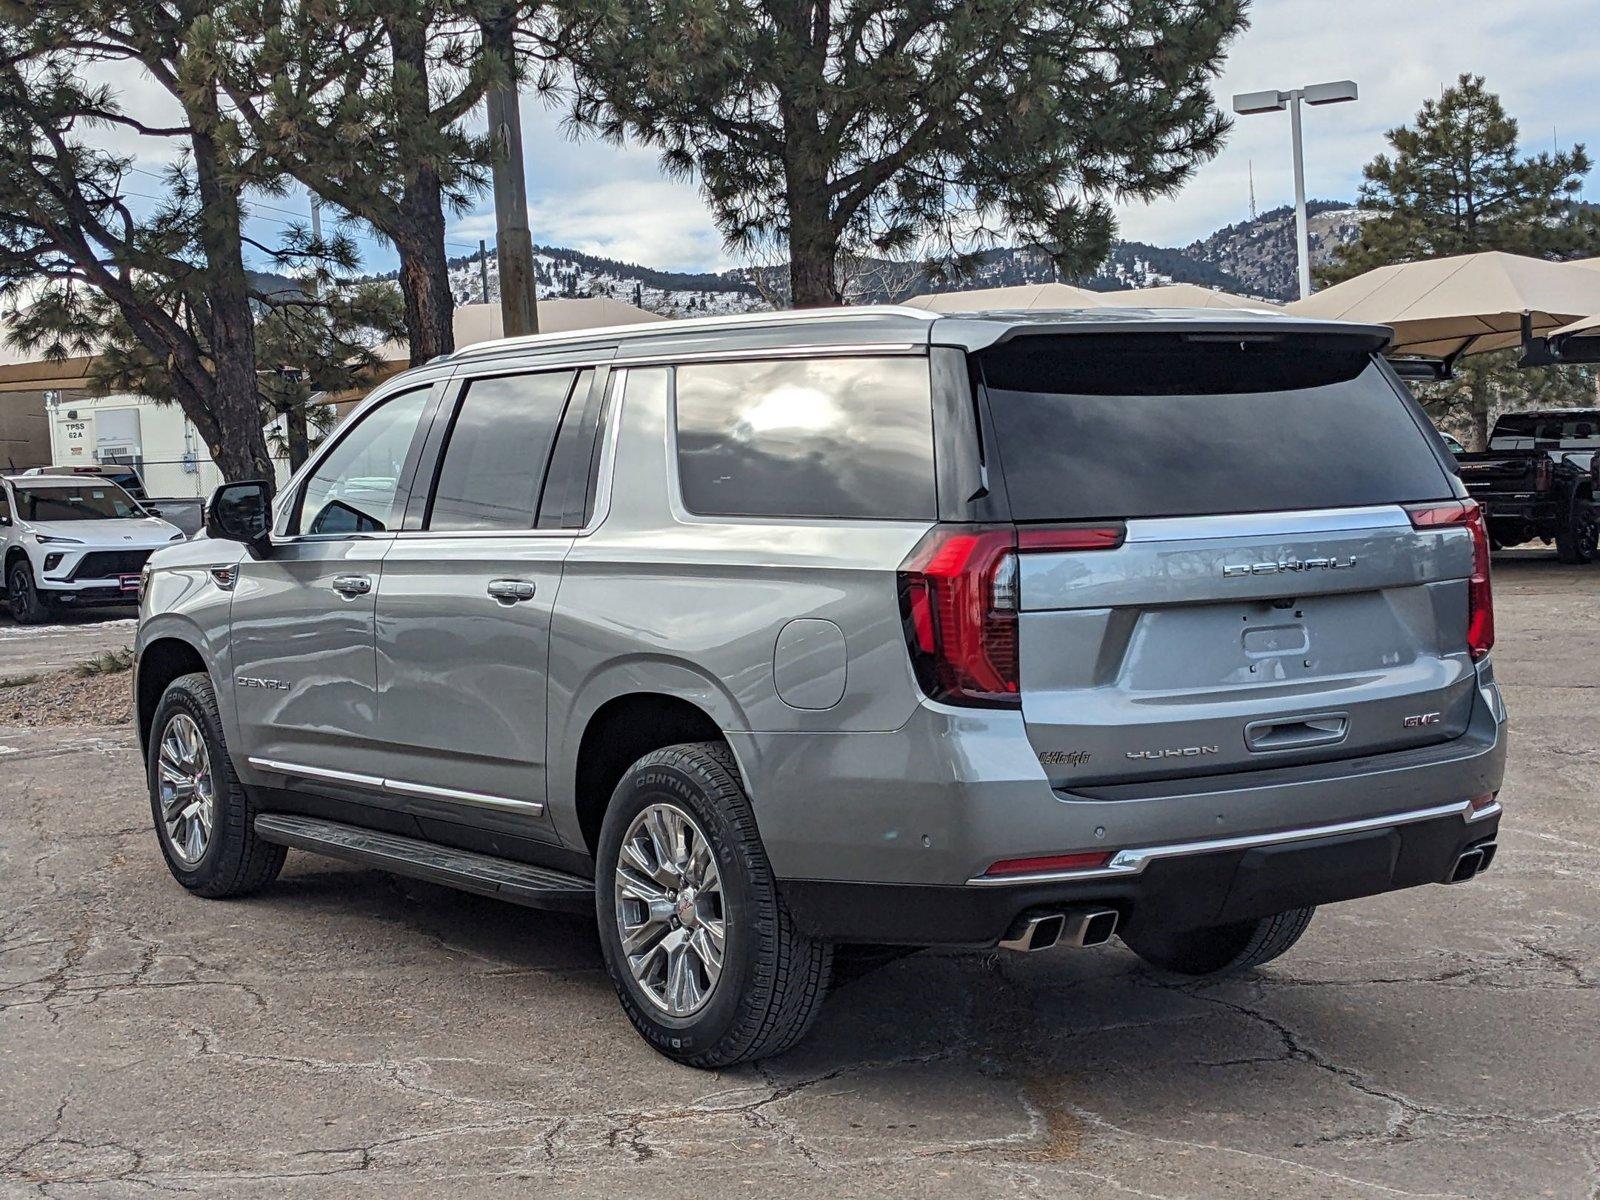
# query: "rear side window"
1155 425
499 446
826 437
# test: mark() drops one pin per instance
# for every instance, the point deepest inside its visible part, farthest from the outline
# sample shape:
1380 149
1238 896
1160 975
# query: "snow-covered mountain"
1253 258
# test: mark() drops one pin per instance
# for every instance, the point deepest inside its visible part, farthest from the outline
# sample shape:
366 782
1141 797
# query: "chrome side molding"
397 787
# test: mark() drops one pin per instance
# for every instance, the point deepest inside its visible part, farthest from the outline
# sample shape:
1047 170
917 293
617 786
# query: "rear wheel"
1576 540
705 957
1221 949
28 607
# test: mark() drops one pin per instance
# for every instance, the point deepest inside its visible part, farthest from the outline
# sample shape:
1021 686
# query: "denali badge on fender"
1234 570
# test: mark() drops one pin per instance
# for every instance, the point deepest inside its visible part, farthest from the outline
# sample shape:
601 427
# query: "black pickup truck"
1538 479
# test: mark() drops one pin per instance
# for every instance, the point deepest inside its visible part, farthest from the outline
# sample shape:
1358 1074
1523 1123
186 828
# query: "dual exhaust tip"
1077 927
1080 927
1472 862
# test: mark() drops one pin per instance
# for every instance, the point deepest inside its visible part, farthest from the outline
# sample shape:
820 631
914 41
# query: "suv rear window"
824 437
1162 425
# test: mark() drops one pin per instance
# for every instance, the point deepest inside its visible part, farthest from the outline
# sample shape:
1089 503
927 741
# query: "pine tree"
1456 183
908 127
168 287
366 102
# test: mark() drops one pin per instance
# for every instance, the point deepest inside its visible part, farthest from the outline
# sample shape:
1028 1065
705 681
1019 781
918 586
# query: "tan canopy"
1063 295
1466 304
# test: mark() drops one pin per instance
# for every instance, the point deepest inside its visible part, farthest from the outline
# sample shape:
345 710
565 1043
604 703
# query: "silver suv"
786 643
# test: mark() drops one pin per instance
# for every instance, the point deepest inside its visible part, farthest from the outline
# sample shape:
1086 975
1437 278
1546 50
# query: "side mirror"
240 512
152 510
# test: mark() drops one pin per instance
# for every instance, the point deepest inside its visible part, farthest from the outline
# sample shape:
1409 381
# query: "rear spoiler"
975 332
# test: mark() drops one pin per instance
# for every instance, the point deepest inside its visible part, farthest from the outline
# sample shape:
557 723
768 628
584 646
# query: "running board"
517 882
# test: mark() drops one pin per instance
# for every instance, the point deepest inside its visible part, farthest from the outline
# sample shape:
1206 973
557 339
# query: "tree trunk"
240 450
814 230
297 434
1480 423
425 277
419 235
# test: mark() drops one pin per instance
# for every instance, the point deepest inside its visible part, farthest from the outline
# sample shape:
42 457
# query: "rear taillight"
959 601
1480 598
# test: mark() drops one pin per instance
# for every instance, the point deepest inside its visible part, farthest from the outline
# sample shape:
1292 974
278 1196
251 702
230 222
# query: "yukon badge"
1176 752
1235 570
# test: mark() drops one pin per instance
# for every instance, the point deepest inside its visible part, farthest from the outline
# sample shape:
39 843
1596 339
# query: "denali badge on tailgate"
1234 570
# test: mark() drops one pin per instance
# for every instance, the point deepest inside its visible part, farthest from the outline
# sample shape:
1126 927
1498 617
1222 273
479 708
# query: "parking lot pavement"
346 1033
71 638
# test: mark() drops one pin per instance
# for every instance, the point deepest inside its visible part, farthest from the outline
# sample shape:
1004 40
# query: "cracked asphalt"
349 1034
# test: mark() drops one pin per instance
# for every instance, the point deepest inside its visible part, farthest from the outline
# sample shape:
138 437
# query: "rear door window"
824 437
1160 425
498 451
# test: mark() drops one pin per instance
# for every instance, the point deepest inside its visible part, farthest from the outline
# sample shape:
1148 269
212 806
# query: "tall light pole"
1249 103
519 306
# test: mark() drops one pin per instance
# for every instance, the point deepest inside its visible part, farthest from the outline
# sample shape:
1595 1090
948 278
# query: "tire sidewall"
648 782
180 697
22 596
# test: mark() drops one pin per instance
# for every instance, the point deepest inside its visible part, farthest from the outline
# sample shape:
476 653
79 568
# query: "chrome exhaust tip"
1036 933
1468 863
1090 926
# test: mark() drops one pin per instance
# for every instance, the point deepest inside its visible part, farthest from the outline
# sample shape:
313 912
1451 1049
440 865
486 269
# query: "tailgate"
1207 645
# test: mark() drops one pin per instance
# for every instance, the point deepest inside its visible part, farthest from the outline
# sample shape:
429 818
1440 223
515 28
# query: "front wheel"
1221 949
205 821
705 957
28 607
1579 535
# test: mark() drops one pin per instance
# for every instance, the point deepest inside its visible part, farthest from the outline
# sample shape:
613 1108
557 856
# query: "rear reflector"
1479 803
1050 862
1480 597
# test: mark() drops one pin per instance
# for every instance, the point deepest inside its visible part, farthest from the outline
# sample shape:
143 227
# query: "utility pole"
483 268
1248 103
519 309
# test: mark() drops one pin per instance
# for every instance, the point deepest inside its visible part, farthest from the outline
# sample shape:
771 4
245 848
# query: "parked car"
124 477
784 641
73 541
1538 480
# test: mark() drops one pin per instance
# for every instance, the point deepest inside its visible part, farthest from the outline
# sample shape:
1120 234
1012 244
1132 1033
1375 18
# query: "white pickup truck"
72 541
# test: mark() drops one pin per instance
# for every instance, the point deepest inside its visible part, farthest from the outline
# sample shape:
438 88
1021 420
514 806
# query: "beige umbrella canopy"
1182 295
1467 304
1063 295
1011 299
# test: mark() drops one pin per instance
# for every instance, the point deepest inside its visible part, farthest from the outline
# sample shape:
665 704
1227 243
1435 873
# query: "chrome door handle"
510 591
351 586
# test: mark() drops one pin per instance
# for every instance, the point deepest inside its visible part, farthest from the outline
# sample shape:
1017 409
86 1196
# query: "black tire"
235 861
27 606
1222 949
1578 537
773 978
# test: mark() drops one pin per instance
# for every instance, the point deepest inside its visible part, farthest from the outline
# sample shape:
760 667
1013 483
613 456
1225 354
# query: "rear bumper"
1173 891
877 837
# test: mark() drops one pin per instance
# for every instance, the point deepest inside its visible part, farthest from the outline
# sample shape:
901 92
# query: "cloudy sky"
1543 58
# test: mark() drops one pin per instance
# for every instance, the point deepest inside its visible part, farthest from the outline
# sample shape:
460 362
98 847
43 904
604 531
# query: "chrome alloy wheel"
670 913
187 791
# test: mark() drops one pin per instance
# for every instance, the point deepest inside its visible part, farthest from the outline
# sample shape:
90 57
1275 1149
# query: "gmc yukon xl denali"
785 643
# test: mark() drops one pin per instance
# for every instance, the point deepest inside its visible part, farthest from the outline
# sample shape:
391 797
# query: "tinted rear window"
1567 427
826 437
1152 425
